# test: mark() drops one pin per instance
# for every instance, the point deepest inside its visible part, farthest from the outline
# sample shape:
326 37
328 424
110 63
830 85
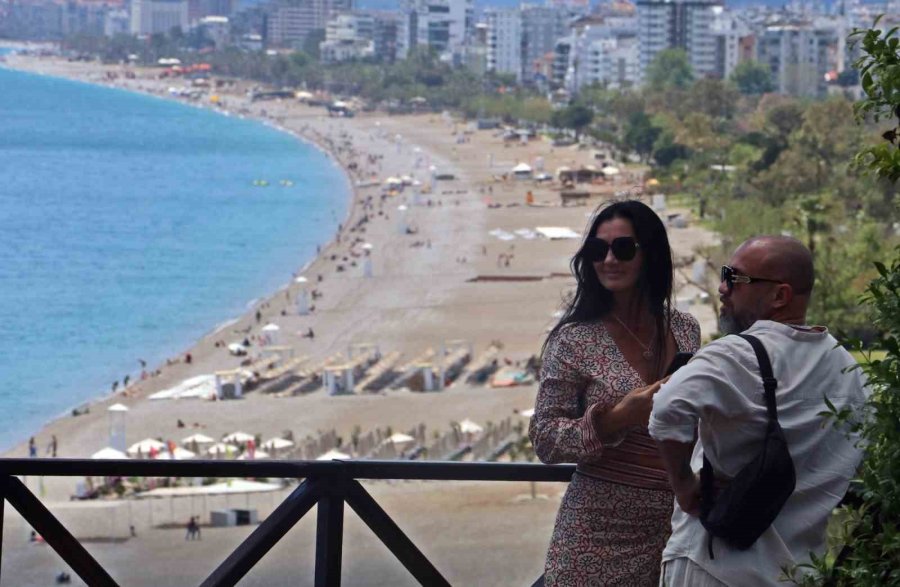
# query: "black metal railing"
326 484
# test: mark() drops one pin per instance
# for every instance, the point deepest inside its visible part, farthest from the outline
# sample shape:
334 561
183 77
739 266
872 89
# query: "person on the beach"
601 366
32 447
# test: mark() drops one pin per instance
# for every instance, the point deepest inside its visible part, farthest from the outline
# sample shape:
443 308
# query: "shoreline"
251 305
350 207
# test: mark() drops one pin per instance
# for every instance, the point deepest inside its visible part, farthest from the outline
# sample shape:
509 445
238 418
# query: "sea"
130 226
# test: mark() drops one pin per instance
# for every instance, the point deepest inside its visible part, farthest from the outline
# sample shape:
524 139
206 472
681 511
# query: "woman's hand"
633 410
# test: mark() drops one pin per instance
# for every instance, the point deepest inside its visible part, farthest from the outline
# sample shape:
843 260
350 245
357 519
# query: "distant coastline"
224 321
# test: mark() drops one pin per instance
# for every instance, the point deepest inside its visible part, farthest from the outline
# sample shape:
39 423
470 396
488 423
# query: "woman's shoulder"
686 326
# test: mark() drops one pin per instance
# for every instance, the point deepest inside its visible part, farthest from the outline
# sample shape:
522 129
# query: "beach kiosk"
522 171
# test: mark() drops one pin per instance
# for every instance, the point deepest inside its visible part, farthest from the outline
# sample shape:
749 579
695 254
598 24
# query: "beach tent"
237 349
469 427
226 487
257 454
109 453
180 454
198 438
201 386
522 171
277 444
144 446
271 332
332 455
557 232
238 437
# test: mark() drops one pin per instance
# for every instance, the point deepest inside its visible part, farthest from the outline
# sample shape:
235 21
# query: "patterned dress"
614 519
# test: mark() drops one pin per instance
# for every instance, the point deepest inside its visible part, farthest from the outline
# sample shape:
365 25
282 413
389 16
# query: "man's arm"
676 457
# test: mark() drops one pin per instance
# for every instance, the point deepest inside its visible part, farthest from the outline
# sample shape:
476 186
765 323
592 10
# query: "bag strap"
765 369
707 481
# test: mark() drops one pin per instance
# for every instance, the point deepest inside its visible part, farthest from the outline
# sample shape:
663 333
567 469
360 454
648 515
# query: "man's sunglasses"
730 277
624 248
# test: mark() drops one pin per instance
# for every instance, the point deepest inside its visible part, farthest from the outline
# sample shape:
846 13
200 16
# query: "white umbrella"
610 170
399 438
271 328
144 446
221 448
117 408
393 181
258 454
238 437
333 454
109 453
198 438
301 279
469 427
527 413
277 443
179 454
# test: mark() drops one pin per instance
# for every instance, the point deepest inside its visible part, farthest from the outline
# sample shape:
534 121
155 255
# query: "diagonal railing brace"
55 534
392 536
266 535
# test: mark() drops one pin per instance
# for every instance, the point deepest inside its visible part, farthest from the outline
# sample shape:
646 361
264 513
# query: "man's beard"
729 324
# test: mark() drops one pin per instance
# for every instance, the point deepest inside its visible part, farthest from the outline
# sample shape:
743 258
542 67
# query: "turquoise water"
130 227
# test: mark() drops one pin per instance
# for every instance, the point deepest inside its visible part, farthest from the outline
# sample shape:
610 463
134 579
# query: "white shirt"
722 389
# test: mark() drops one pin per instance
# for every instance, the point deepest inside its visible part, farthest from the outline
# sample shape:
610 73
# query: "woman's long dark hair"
592 301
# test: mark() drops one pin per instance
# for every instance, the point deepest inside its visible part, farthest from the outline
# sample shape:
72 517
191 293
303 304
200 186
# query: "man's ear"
784 294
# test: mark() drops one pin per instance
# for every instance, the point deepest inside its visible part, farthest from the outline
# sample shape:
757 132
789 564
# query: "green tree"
640 134
670 69
753 78
879 68
577 117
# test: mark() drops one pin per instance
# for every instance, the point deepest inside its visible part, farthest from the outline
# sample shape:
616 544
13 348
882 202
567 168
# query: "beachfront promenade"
326 485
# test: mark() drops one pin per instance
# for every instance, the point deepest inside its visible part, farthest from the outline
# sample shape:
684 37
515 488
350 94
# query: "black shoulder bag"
751 502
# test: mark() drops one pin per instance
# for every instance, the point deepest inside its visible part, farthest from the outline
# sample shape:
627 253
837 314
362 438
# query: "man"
765 292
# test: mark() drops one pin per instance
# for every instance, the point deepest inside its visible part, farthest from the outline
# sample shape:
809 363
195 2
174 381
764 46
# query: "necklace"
648 348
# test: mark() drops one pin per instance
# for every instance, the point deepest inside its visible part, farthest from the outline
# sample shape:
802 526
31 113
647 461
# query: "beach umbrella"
271 328
332 455
179 454
145 446
198 438
610 170
259 454
109 453
527 413
367 246
469 427
238 437
277 444
301 279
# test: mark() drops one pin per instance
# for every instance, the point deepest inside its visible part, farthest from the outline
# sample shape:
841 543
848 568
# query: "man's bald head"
782 258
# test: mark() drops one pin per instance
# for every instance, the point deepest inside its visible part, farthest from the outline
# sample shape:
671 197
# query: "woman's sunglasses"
624 248
730 276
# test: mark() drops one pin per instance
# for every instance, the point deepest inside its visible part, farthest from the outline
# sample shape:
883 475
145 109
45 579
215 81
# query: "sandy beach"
446 278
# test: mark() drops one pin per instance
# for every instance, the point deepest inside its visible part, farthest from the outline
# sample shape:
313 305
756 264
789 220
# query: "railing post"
4 479
330 531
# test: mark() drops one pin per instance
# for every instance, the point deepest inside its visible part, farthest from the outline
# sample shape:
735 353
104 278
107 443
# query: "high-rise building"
603 50
149 17
348 36
678 24
504 41
542 26
735 42
442 25
800 55
289 22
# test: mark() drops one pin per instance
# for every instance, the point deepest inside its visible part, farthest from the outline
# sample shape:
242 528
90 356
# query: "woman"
601 366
